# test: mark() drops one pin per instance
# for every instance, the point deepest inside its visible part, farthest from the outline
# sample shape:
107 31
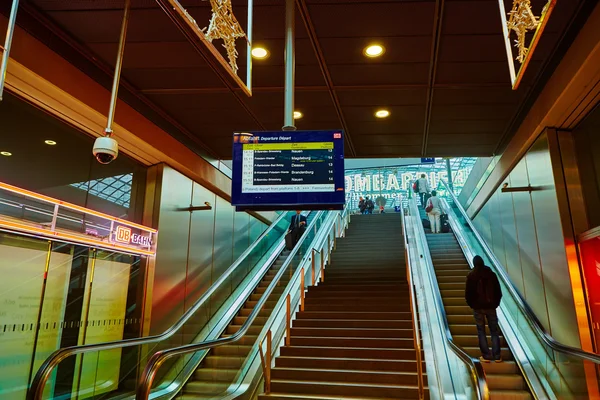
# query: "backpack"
485 291
370 205
416 187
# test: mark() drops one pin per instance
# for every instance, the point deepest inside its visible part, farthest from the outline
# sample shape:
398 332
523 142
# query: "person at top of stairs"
483 295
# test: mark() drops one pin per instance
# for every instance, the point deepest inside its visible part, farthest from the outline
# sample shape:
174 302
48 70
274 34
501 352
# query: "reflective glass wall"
54 295
388 185
523 228
44 155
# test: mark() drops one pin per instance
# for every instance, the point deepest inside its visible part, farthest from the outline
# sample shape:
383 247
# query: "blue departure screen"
288 170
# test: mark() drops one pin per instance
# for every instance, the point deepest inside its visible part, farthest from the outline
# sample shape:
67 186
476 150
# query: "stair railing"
413 310
477 374
340 223
38 384
159 358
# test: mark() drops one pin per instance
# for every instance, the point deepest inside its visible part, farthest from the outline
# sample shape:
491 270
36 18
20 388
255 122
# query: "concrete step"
345 376
353 342
352 332
355 315
362 390
342 324
347 364
341 352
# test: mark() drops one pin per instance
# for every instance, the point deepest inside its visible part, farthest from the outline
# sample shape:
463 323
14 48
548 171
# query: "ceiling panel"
472 102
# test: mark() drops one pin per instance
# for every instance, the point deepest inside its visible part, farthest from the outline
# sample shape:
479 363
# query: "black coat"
293 222
488 278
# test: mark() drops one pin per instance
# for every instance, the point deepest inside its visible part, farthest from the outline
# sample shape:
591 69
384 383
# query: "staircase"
354 339
505 380
221 365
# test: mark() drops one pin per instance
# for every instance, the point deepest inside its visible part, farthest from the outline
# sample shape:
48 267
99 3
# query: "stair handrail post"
302 289
322 273
312 259
269 360
288 320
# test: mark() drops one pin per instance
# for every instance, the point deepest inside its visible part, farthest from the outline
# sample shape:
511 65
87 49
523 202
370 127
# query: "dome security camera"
105 150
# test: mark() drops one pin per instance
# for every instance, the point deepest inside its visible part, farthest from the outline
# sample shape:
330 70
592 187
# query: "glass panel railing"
243 353
452 374
118 378
552 369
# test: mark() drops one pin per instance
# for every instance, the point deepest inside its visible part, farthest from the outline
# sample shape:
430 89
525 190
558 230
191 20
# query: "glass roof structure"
116 189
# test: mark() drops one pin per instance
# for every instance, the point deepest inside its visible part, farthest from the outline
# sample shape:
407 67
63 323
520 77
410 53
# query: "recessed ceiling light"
260 52
382 114
6 153
374 50
50 142
298 115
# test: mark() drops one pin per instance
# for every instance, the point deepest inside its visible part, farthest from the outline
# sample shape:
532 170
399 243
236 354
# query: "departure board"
288 170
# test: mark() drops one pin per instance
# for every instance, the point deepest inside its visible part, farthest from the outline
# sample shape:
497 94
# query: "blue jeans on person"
492 321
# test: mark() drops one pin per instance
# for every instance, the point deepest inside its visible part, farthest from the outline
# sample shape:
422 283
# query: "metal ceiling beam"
433 64
314 40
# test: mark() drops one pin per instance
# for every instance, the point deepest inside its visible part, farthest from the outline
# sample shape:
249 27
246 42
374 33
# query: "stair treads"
353 342
343 352
346 363
393 315
344 376
352 323
364 390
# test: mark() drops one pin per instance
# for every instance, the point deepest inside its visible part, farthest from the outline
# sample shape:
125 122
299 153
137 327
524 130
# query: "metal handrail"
474 365
520 301
413 309
39 382
158 358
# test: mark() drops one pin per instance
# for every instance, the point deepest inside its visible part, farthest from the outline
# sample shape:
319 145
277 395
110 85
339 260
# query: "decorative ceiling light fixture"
6 153
260 53
521 23
374 50
382 113
298 115
224 25
50 142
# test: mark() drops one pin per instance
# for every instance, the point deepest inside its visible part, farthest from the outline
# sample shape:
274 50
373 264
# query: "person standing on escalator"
296 230
483 295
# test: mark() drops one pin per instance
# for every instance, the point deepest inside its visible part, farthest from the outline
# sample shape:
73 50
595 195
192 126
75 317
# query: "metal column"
449 172
115 86
12 20
290 65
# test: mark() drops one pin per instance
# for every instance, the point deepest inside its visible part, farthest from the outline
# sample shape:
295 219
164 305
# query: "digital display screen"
288 170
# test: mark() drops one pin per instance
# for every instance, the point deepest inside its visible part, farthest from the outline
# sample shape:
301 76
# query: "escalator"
505 380
220 366
534 364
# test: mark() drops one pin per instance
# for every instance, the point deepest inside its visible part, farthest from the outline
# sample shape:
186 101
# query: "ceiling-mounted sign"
288 170
427 160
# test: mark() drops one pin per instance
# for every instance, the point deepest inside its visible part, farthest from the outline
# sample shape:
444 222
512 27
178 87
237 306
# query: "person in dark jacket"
483 295
297 226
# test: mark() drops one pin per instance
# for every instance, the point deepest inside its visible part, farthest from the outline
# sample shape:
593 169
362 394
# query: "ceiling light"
6 153
298 115
382 114
260 52
50 142
374 50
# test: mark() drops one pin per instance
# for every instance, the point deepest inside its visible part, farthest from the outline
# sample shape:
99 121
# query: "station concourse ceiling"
443 76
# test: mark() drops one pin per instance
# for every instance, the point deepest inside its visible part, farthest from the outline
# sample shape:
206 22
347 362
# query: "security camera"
106 149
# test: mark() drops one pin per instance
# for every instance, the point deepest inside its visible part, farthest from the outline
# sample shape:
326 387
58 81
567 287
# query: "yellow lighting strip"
64 204
68 237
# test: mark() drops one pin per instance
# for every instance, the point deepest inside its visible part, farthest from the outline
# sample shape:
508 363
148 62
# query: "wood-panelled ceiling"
444 75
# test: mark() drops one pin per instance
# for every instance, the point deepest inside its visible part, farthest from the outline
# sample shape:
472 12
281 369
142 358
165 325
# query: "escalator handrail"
413 307
520 301
474 364
43 374
154 363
